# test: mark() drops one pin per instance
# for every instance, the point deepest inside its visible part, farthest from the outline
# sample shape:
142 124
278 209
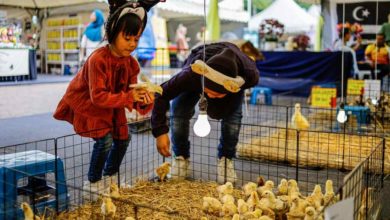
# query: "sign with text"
355 87
322 97
372 89
14 62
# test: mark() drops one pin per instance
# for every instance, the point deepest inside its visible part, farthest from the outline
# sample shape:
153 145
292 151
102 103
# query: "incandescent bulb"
202 126
341 116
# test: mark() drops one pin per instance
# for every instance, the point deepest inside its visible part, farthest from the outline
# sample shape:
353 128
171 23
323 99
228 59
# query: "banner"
14 62
355 87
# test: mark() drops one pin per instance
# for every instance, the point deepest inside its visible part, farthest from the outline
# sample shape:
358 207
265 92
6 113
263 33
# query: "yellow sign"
322 97
355 87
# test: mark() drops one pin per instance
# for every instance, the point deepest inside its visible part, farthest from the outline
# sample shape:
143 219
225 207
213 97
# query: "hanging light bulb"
341 116
374 101
202 126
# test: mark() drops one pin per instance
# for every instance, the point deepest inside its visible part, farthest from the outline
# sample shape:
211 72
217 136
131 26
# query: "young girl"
96 98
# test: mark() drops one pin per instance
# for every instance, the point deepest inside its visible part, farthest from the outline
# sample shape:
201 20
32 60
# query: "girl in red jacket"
96 98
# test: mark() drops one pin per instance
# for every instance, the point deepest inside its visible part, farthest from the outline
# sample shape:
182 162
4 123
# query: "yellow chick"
283 187
212 205
225 189
163 170
297 205
329 186
253 201
298 121
129 218
114 191
108 208
242 207
253 214
268 200
227 198
317 193
249 188
310 213
293 187
329 198
148 85
269 185
265 217
314 202
28 212
228 209
204 218
236 217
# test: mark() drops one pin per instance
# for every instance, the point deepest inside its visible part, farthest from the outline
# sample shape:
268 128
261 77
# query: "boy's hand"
163 144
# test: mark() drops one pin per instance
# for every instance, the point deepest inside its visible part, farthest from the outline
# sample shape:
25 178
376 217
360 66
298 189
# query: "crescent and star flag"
365 13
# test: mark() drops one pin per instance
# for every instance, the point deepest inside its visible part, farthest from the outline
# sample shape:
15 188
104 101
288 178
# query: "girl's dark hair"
129 24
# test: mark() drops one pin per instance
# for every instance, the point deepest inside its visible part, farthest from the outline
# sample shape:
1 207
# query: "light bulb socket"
203 104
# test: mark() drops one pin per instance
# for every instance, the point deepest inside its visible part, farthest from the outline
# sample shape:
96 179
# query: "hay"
166 200
316 149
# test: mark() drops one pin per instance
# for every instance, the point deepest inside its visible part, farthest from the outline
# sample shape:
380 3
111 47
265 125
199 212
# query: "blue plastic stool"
361 112
261 90
28 164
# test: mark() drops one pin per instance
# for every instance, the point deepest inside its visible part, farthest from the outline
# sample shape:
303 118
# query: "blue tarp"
297 72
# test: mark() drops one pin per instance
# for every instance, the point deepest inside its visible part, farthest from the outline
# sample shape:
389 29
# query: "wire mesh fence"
59 169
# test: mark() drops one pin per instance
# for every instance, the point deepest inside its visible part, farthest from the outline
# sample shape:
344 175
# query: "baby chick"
310 213
129 218
249 188
148 85
114 191
108 208
242 207
228 209
267 200
227 198
269 185
163 170
253 214
265 217
260 181
236 217
227 188
253 201
28 212
211 205
317 193
293 187
329 186
283 187
297 205
299 121
314 202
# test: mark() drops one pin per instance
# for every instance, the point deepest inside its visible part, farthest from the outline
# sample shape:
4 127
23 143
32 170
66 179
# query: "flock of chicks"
260 202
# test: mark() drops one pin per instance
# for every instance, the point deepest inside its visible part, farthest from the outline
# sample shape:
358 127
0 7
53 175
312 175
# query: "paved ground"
26 115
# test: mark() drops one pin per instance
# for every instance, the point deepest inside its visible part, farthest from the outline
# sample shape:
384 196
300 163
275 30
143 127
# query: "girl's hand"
138 94
149 98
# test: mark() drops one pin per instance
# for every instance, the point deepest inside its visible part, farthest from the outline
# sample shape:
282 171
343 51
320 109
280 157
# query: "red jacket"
95 100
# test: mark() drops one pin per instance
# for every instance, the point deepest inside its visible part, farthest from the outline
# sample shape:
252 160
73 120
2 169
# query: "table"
17 64
297 72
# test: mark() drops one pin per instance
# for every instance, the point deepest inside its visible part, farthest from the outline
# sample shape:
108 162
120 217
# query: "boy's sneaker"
230 173
91 191
179 168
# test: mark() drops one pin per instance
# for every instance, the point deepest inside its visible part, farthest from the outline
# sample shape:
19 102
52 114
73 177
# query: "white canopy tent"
42 3
294 18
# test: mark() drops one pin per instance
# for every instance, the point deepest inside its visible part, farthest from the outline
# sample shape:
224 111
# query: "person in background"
377 56
182 92
95 100
341 44
182 44
385 30
92 36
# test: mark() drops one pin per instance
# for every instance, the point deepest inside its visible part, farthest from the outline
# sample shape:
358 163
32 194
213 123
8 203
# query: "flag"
213 23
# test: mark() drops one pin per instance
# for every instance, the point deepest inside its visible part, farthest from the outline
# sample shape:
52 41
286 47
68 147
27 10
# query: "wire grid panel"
364 184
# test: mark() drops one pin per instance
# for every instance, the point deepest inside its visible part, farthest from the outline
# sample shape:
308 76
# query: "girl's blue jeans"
183 109
107 156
